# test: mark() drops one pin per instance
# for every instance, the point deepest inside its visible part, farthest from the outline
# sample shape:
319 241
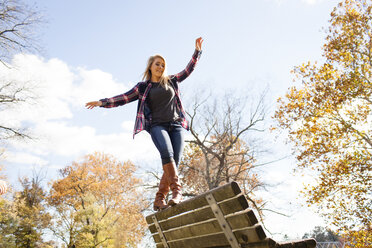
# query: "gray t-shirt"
162 104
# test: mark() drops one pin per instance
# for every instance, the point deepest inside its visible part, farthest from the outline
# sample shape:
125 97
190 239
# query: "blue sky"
95 49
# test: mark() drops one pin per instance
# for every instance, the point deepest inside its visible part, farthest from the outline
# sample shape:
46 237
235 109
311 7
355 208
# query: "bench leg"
171 170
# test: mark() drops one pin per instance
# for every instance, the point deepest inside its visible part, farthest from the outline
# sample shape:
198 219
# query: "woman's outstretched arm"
116 101
191 65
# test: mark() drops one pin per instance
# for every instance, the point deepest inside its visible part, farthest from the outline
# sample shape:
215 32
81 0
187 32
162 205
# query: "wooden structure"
219 218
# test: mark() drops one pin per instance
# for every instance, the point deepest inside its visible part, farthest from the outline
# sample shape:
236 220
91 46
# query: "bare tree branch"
17 25
219 152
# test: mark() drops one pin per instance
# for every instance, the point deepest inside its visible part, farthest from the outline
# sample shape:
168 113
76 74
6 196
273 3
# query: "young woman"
160 112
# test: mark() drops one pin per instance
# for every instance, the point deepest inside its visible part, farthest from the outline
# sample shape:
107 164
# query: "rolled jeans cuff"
167 160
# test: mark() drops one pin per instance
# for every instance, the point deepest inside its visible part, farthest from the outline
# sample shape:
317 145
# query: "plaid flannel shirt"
140 92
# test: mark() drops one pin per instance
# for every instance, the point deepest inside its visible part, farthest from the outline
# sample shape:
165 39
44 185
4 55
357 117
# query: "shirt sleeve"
121 99
189 68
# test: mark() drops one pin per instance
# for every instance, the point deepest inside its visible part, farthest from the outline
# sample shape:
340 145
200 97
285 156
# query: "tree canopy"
328 119
97 203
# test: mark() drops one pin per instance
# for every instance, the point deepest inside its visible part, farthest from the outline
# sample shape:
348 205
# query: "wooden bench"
219 218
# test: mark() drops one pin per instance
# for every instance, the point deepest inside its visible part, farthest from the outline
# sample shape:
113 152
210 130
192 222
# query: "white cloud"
61 90
56 86
63 139
312 2
127 125
21 157
92 84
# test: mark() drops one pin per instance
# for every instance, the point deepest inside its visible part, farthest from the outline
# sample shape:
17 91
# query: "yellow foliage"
100 199
328 118
358 239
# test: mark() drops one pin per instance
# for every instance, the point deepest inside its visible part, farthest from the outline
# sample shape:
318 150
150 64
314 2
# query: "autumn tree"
24 219
220 150
328 119
32 215
7 218
7 223
97 203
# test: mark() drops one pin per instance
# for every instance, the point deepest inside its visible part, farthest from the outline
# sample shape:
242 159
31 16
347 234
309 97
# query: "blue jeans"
168 139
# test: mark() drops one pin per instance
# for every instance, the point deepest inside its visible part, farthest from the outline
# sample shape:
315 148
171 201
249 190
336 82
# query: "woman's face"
157 68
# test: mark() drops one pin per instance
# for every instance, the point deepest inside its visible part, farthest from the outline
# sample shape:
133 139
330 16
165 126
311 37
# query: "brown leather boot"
159 203
171 171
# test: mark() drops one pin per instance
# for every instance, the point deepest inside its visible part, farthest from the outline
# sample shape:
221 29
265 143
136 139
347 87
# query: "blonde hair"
164 79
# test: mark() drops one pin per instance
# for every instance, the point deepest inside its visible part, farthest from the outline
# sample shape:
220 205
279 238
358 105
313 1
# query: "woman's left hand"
198 43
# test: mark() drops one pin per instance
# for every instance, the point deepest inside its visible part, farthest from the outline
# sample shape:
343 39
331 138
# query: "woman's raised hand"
198 43
93 104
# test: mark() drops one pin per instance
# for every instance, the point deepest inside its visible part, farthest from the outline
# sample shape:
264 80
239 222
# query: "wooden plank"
267 243
196 216
285 245
237 220
299 244
214 240
250 234
246 235
233 205
306 243
221 193
207 227
310 243
211 241
242 219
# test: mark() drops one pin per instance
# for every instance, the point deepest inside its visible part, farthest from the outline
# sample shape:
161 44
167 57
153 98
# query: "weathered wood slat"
193 223
233 205
201 228
206 241
221 193
209 227
196 216
285 245
306 243
300 245
242 219
238 221
237 204
250 234
245 235
267 243
310 243
211 241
